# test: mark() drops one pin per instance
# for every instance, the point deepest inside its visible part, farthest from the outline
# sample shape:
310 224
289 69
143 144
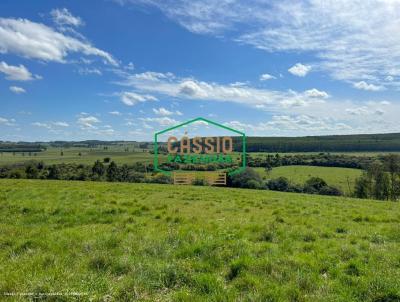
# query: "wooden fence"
212 178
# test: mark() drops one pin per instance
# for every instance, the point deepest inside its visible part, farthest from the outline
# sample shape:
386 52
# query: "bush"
329 190
278 184
314 185
246 179
161 179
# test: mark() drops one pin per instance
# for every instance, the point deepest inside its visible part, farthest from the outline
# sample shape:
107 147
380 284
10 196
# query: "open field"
78 155
164 242
342 178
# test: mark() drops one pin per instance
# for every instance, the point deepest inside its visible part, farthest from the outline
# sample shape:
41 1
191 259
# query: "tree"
123 174
361 187
279 184
31 171
375 182
98 169
392 165
248 178
106 159
381 189
54 172
112 172
314 185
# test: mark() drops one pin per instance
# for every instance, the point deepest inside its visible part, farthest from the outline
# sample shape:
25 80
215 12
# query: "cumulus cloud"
163 121
64 17
266 76
299 70
7 122
292 124
190 88
132 98
38 41
41 125
16 73
88 122
17 90
369 87
365 110
115 113
162 111
315 93
51 125
61 124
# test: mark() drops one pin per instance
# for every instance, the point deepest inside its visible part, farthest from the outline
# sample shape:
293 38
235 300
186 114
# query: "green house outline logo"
156 167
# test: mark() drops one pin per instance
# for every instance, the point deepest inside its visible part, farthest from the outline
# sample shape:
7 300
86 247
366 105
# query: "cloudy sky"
127 68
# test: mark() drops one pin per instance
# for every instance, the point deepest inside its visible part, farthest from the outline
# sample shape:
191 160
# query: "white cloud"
163 121
153 76
350 40
369 87
115 113
50 125
41 125
293 124
266 76
17 90
190 88
299 70
365 110
162 111
7 122
86 71
61 124
38 41
238 84
130 66
315 93
132 98
16 73
88 122
64 17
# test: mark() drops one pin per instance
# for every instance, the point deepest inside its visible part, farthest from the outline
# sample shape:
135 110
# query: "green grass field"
71 155
342 178
136 242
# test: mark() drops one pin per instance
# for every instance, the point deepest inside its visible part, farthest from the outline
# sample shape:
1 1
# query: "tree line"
330 143
380 180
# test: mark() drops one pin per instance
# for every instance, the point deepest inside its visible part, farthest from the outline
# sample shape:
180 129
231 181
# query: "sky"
125 69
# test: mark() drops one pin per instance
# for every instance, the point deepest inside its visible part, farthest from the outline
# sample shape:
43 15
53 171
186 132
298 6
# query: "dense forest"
333 143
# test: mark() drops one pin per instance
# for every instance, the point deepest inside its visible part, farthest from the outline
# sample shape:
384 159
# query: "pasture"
143 242
342 178
79 155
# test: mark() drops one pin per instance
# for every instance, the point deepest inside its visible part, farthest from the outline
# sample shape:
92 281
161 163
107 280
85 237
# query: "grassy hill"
342 178
164 242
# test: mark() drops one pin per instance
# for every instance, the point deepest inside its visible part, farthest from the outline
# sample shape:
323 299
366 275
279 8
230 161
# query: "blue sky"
124 69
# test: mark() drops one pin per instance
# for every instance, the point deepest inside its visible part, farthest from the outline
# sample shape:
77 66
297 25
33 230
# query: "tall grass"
129 242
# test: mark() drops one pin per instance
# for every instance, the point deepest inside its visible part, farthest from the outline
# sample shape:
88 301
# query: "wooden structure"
213 178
